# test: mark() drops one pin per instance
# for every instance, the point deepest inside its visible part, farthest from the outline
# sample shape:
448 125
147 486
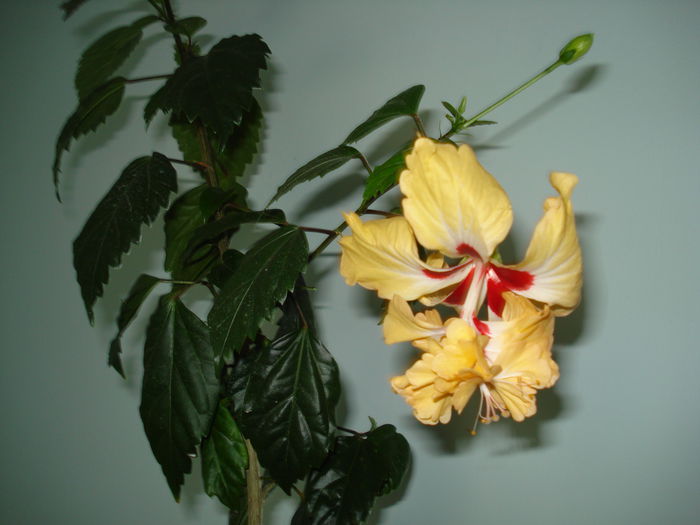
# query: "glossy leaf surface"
229 222
92 111
181 221
180 387
129 308
385 175
405 103
285 397
264 276
104 56
216 88
225 460
142 189
318 167
359 469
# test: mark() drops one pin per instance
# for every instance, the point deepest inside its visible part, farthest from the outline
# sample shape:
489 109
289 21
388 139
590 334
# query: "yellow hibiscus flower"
507 367
456 210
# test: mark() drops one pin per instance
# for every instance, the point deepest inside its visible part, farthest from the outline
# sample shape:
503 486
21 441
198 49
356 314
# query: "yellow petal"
401 325
429 405
554 255
520 350
382 255
452 203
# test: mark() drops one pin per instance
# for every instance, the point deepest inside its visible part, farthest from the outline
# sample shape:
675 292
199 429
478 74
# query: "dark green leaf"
230 158
404 104
318 167
180 387
92 111
225 460
229 222
135 199
385 175
285 399
70 7
187 26
241 147
154 104
106 54
130 306
181 221
216 88
265 275
225 268
214 198
360 469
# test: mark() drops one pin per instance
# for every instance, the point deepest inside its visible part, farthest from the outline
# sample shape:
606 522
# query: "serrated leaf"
318 167
92 111
216 88
404 104
225 460
230 158
135 199
286 399
130 306
70 7
104 56
264 276
181 221
180 387
385 175
229 222
186 26
359 469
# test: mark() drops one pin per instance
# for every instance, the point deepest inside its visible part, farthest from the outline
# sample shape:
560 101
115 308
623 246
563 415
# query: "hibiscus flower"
459 214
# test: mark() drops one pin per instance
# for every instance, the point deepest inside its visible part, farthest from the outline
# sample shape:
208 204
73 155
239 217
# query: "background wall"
614 442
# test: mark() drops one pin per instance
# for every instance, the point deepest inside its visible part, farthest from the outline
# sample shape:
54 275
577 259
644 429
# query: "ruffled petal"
417 387
553 259
382 255
452 203
520 348
401 325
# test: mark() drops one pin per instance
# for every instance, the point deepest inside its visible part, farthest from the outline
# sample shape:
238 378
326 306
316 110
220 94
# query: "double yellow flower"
459 214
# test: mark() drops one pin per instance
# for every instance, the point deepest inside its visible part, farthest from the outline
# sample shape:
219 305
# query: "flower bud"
576 48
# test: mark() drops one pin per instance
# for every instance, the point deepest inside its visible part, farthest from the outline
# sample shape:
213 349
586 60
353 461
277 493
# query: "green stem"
419 124
253 485
505 99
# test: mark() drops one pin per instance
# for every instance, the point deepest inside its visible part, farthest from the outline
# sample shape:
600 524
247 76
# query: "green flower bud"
575 49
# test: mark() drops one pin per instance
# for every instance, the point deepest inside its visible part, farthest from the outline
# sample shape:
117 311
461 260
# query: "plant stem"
419 124
504 99
255 499
145 79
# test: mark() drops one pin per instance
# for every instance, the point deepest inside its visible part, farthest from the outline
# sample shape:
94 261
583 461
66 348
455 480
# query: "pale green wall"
616 440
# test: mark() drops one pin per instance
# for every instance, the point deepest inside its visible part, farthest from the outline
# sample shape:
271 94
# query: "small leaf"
186 26
181 221
360 469
404 104
92 111
216 88
318 167
264 276
130 306
135 199
70 7
483 123
229 222
180 387
285 399
385 175
106 54
453 110
225 460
